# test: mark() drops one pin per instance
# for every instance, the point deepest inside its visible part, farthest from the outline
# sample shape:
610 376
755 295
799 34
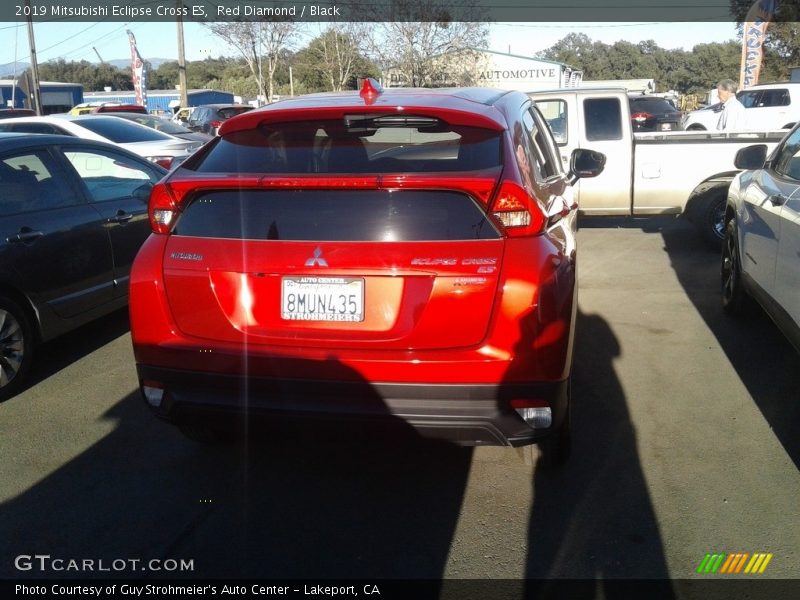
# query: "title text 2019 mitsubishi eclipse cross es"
399 255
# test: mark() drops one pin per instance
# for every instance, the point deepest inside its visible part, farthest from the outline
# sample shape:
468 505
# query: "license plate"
666 127
322 299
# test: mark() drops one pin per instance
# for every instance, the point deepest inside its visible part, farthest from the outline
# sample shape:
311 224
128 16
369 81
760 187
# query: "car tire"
555 449
695 127
712 219
17 345
735 299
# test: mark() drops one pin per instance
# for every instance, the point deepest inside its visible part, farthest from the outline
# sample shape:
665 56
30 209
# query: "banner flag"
755 29
139 72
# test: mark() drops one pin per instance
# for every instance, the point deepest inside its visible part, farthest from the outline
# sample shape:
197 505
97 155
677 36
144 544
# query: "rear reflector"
153 392
536 413
162 161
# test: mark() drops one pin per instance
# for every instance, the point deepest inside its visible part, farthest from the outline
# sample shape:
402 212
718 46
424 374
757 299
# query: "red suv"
398 255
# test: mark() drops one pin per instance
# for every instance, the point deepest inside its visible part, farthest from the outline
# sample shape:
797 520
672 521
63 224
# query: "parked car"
762 237
182 114
392 255
768 107
74 214
114 108
653 113
702 119
155 146
209 117
164 125
85 108
10 113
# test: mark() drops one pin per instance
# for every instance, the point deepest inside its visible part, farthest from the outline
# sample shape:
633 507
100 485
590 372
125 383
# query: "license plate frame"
322 299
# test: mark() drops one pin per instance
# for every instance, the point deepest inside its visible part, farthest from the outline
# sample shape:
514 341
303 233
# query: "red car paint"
454 333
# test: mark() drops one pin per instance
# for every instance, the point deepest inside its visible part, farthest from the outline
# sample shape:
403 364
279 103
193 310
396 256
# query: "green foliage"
339 55
687 72
92 77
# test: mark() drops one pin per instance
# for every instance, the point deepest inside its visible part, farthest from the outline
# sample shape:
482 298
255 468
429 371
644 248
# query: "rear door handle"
24 236
121 217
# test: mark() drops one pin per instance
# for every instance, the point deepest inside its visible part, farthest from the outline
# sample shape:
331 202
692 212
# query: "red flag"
139 72
755 29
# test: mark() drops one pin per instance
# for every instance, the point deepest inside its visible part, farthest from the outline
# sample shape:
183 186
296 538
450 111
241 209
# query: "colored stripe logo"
735 563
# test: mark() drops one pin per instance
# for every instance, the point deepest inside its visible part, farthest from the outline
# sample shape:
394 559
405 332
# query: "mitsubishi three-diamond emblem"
317 259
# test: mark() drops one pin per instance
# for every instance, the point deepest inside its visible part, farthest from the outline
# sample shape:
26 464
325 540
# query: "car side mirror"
585 163
751 157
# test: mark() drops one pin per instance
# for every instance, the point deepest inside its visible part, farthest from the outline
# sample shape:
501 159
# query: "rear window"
121 131
232 111
355 144
652 105
335 215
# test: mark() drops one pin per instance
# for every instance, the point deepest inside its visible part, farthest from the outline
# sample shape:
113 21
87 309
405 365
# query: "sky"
84 41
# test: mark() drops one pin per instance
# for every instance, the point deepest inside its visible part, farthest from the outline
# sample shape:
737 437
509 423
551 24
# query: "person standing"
732 115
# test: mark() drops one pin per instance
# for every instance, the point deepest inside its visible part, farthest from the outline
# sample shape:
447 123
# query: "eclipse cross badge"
317 259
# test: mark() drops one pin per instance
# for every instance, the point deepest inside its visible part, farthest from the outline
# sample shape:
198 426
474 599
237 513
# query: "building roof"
114 93
47 83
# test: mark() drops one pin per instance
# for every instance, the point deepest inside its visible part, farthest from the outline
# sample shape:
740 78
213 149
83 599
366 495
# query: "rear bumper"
470 415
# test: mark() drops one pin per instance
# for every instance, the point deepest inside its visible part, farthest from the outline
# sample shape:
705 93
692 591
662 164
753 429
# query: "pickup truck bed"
681 172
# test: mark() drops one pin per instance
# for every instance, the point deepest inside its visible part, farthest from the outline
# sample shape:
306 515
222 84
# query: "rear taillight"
162 161
215 124
517 211
641 117
162 209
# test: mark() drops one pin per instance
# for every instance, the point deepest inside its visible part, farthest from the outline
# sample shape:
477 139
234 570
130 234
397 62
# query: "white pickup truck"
680 172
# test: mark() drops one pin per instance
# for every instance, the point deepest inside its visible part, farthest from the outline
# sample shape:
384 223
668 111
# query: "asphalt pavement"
686 430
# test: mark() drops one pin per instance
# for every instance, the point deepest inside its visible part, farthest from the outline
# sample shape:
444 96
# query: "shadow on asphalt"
55 355
766 363
593 519
294 502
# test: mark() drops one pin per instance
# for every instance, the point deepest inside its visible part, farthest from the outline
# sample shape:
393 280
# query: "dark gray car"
209 117
73 214
164 125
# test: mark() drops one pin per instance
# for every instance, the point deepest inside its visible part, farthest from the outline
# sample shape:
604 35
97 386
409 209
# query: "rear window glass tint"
656 105
227 113
330 146
602 119
121 131
334 215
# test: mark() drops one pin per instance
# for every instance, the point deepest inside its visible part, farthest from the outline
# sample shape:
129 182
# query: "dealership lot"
686 430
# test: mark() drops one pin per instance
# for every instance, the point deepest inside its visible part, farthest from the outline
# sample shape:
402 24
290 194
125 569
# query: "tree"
416 32
782 40
334 60
257 42
92 77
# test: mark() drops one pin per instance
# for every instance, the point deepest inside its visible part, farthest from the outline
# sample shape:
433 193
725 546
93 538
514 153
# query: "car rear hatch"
337 233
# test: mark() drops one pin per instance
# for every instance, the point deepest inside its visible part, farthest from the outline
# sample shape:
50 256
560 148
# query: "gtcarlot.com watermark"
45 563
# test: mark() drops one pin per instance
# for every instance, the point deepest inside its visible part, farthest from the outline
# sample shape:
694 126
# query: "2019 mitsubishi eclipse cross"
383 255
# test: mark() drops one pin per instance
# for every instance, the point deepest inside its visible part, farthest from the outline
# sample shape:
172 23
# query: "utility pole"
181 58
35 91
98 55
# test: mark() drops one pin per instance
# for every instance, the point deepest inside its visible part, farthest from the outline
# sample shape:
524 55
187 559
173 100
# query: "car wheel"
712 219
16 346
735 299
695 128
556 448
